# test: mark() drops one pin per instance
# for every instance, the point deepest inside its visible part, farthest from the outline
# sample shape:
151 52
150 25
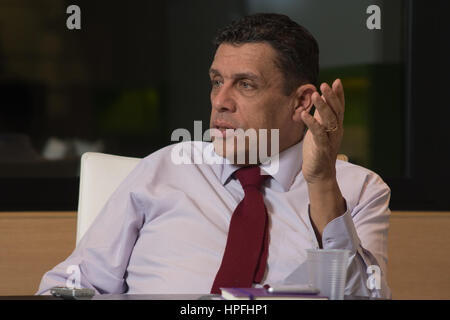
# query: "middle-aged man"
194 228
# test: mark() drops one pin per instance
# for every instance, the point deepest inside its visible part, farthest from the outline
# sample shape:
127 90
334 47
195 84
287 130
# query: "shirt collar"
289 165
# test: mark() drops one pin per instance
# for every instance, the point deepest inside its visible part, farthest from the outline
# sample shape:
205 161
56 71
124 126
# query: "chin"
234 152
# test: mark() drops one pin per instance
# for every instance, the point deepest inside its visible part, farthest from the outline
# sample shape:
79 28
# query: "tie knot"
250 177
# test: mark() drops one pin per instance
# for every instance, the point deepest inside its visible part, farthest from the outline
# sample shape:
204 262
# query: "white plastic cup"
327 270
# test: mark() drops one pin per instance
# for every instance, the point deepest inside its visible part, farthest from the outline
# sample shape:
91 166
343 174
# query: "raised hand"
323 139
320 147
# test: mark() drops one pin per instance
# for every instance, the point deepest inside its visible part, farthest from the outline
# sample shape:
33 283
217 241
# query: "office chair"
100 175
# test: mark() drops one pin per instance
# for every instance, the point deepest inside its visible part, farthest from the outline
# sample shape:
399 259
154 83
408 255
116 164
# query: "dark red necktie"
245 257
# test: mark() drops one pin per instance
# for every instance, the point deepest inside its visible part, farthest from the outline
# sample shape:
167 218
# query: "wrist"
326 203
328 184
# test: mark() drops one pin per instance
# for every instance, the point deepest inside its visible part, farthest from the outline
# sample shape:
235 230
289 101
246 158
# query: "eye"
246 85
216 83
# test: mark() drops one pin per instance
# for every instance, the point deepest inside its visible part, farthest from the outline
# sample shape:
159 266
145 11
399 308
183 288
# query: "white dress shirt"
164 230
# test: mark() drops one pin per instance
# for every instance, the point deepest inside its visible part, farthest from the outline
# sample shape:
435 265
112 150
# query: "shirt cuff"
340 233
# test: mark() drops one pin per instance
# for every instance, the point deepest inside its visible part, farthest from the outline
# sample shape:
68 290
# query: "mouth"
226 129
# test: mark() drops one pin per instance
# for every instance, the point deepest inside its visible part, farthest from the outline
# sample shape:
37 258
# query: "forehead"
257 58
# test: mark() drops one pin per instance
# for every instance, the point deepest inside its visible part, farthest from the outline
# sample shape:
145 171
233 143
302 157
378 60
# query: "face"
247 93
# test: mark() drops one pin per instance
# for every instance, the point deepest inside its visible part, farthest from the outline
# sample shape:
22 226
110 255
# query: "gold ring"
332 129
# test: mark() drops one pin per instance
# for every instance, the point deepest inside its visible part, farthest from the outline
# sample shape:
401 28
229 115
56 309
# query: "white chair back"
100 175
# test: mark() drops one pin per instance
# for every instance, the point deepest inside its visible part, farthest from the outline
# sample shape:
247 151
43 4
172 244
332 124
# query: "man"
193 228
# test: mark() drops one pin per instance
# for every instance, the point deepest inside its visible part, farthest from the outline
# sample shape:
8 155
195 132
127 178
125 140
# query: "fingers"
338 89
318 131
326 115
330 109
333 98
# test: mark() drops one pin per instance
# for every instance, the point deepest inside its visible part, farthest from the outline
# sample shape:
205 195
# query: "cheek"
255 112
253 118
272 115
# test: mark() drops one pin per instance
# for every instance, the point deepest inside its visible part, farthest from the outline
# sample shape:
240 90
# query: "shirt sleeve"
363 230
101 258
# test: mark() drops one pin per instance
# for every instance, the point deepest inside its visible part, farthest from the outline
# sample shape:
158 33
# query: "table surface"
147 297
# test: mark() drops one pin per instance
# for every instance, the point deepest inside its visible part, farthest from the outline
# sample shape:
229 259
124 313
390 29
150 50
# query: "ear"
303 100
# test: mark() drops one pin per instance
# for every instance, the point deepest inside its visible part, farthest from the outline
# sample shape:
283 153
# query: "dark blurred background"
138 70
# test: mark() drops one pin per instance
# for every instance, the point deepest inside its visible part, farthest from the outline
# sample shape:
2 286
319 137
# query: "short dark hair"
297 50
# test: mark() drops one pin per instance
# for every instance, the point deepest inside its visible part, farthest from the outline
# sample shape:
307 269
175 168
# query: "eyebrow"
241 75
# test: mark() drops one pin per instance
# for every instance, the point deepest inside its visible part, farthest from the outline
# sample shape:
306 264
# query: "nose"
222 99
